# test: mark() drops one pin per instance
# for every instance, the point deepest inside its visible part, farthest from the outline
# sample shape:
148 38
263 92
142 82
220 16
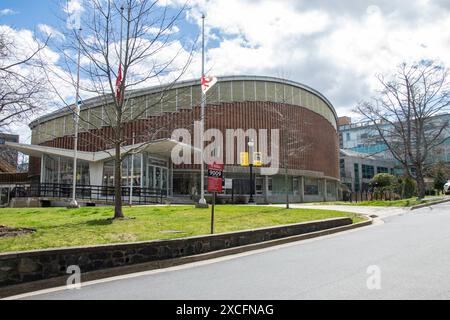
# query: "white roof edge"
38 150
35 150
95 101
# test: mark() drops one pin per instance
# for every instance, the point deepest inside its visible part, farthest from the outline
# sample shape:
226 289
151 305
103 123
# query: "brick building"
306 120
8 156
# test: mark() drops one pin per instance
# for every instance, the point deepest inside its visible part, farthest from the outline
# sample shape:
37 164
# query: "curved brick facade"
305 119
313 144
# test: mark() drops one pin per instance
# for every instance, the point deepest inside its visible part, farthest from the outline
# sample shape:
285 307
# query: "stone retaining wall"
27 266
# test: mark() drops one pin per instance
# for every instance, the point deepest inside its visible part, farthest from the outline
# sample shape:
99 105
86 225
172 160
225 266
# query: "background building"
303 115
8 156
363 153
362 137
357 169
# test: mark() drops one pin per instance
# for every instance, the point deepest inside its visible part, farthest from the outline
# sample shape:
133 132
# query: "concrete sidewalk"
381 212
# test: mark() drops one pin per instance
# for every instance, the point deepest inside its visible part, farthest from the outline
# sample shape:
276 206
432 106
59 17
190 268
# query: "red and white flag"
208 83
119 83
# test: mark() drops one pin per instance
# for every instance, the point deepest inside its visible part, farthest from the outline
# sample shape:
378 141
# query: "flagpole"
74 203
122 8
132 173
202 201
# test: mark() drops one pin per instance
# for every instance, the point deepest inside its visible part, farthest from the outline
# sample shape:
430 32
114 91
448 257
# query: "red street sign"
215 177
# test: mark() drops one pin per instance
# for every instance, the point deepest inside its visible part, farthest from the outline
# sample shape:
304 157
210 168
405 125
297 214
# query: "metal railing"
99 194
369 196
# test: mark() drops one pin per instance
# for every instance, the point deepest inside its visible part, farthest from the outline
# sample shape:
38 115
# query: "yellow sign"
257 159
244 159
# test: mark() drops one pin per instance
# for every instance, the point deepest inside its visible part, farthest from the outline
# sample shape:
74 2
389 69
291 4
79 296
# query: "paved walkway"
381 212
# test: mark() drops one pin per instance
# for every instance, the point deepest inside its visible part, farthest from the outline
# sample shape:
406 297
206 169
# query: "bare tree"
21 91
125 45
404 114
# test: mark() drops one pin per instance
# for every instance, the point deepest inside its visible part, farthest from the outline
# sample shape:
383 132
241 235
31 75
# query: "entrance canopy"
161 148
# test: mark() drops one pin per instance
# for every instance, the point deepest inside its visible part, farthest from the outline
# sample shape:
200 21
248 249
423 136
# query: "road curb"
162 264
429 204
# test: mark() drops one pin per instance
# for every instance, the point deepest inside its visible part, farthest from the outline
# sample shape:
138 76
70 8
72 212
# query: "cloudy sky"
336 47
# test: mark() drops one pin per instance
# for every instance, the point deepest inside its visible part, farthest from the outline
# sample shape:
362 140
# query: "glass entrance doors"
157 177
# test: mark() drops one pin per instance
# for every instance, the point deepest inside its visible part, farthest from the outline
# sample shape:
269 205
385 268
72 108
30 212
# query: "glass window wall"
60 170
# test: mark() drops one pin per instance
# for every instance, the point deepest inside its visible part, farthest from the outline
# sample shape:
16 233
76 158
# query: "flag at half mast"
119 83
208 83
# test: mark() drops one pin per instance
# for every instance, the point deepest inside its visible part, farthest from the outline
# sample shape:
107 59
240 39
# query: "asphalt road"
412 252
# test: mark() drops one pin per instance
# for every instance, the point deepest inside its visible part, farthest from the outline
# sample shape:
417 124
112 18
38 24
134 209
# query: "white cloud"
7 12
74 6
74 10
336 47
51 32
155 30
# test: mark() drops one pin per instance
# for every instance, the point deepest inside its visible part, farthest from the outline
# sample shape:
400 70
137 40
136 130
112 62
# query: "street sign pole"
212 212
215 181
251 145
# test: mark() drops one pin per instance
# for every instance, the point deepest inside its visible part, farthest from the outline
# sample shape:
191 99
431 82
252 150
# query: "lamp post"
251 145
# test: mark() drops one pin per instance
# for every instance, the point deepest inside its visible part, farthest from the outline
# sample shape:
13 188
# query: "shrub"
409 187
383 182
440 178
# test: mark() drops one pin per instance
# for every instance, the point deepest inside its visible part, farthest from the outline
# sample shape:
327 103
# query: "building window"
331 188
296 186
128 170
50 174
357 181
157 173
342 167
311 187
382 170
269 185
259 183
60 170
367 171
108 173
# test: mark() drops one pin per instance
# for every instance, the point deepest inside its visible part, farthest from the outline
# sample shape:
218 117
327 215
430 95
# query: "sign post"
215 180
212 212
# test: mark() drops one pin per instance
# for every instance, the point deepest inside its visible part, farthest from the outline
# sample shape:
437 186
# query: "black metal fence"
96 194
369 196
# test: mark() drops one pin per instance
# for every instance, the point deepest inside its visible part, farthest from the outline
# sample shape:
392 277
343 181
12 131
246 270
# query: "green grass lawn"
61 227
380 203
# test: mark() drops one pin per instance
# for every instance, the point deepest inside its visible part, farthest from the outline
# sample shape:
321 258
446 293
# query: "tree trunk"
118 213
420 183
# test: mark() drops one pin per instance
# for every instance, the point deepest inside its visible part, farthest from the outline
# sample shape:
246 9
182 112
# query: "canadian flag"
208 83
119 83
